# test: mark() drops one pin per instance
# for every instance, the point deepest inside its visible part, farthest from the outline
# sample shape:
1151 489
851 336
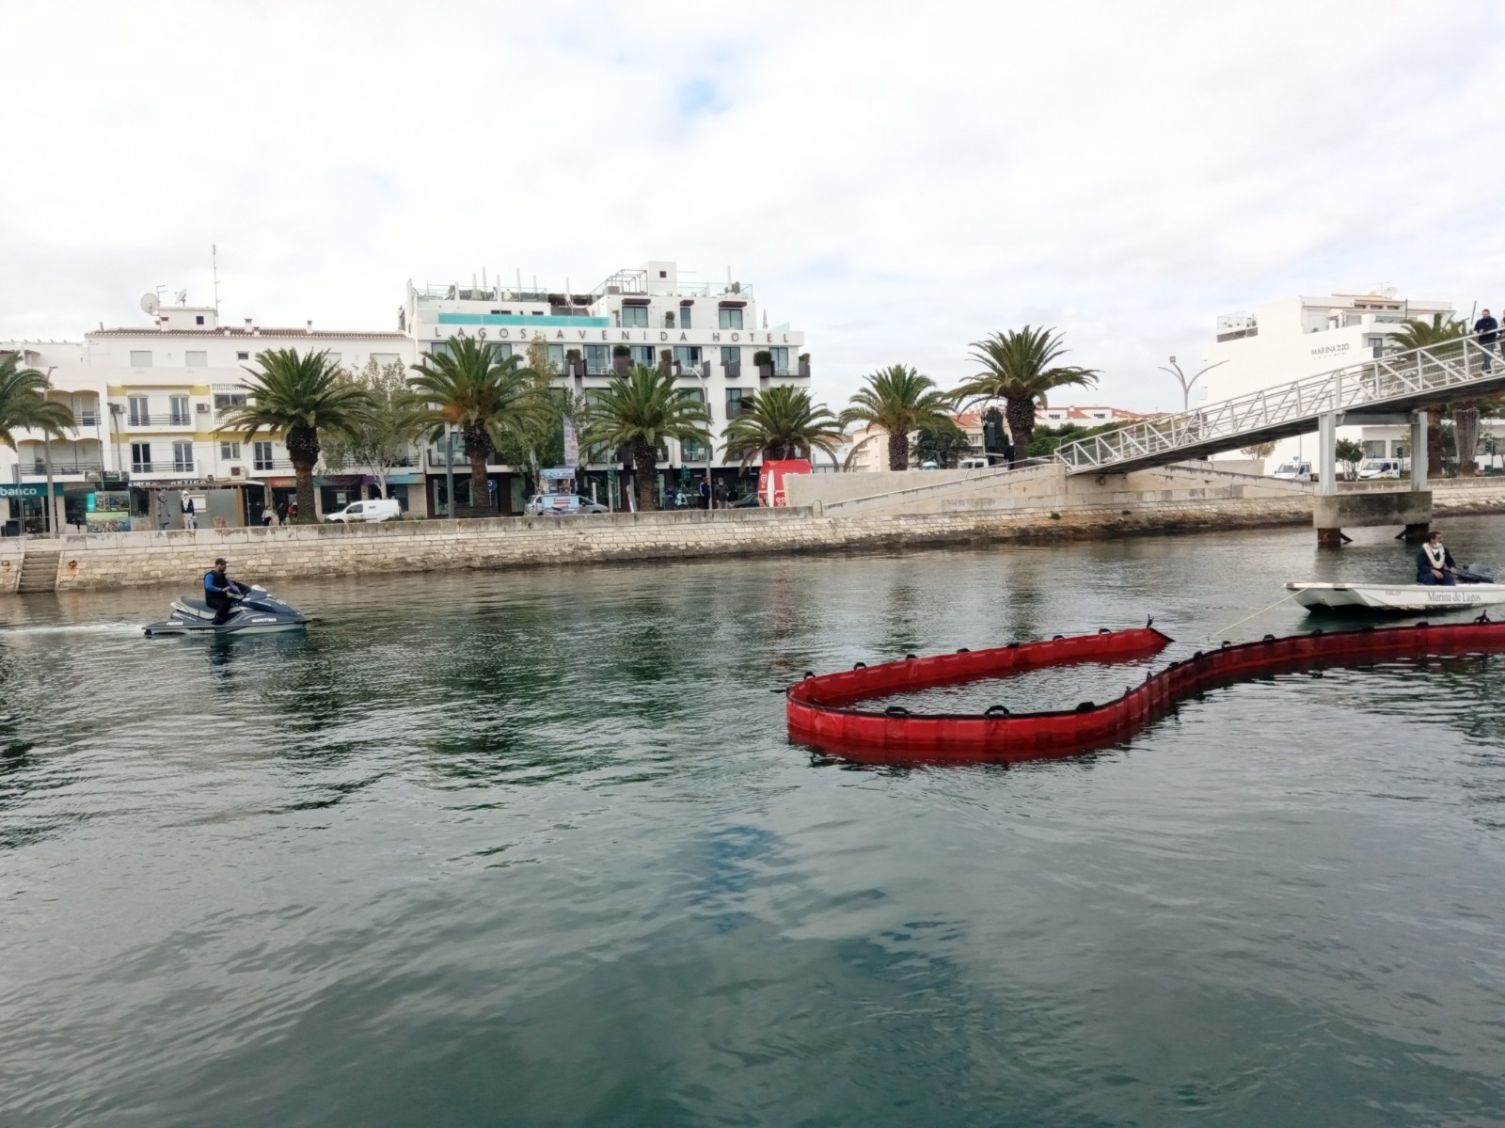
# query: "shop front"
26 507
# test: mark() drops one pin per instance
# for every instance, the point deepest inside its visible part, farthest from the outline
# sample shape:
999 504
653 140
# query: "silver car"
562 505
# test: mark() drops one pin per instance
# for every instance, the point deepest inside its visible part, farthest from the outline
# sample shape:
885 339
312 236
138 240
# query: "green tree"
897 400
1019 367
639 411
384 432
1350 454
1443 336
488 397
24 404
782 422
299 396
941 443
1045 441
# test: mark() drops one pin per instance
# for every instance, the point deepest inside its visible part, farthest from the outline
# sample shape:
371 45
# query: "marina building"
150 399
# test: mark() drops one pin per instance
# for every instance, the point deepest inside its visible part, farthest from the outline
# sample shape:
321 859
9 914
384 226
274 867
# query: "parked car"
376 509
562 505
1383 468
749 501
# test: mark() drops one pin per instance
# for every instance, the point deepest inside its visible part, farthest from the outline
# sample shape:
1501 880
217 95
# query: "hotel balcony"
71 461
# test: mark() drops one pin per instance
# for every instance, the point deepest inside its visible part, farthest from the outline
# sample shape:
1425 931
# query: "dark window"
729 318
198 319
733 403
684 316
730 355
242 356
634 317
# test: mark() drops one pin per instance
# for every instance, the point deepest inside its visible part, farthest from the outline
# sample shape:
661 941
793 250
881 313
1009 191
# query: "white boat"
1396 597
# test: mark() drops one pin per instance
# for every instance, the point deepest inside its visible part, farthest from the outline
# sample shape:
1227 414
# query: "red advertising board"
771 479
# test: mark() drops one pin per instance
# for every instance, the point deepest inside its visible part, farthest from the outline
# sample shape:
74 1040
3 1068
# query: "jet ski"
257 612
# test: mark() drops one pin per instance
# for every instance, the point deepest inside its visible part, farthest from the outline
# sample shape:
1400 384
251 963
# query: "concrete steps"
39 570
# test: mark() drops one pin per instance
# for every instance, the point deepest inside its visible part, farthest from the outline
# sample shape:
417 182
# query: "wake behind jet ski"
228 607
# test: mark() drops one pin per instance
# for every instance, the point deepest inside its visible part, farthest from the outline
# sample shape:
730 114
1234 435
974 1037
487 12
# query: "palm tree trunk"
644 473
1020 416
898 451
480 497
304 473
1435 468
1466 436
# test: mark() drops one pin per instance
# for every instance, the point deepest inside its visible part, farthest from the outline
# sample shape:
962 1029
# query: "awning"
732 302
635 301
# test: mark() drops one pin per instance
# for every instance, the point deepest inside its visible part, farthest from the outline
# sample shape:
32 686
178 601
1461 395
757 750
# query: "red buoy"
821 710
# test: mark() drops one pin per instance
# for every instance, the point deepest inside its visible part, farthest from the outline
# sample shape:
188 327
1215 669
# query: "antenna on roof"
214 267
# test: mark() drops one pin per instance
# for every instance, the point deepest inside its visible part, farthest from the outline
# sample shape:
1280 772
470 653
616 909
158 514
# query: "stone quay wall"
116 560
112 560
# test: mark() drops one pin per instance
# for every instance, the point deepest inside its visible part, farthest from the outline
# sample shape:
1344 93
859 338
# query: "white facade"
710 330
149 399
1293 338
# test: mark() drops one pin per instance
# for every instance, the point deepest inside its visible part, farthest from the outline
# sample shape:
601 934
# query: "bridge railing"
1398 375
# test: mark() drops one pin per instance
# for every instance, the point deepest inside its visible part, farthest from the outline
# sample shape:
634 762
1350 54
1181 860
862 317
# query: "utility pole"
449 468
1187 384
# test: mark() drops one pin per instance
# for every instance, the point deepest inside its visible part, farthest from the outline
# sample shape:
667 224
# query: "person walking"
1487 332
292 512
268 516
190 518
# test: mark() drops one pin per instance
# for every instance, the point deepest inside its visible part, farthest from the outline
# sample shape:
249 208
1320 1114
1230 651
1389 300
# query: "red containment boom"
821 715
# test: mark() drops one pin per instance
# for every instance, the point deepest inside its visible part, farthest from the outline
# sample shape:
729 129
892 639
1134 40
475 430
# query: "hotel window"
439 348
261 455
597 360
634 317
141 359
780 361
734 402
223 400
229 452
178 410
687 356
196 359
729 317
731 357
692 450
141 458
556 360
684 316
140 416
643 354
501 350
182 457
242 356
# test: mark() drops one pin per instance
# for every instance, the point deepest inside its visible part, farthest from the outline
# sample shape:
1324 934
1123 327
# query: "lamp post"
449 468
710 487
1187 384
47 459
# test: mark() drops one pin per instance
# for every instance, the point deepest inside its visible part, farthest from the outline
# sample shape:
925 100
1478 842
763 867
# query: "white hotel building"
149 399
1293 338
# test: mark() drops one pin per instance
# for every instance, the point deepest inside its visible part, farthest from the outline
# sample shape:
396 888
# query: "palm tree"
639 411
897 399
1442 336
487 396
782 423
1019 367
298 396
24 403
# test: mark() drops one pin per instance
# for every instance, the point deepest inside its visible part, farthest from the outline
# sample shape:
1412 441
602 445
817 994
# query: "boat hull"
1396 597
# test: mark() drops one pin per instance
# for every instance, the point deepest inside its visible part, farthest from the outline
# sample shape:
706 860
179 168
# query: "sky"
896 180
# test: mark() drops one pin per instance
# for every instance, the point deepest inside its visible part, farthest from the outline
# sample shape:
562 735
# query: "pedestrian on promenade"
268 516
292 512
705 494
1487 332
190 519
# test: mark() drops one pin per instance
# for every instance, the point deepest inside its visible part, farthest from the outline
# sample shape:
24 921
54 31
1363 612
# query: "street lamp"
710 490
449 468
1187 384
47 458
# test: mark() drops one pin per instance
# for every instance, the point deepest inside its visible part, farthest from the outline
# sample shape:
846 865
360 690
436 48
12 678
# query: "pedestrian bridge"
1383 390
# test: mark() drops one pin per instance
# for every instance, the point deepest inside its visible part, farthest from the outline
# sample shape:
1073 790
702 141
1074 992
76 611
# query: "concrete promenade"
113 560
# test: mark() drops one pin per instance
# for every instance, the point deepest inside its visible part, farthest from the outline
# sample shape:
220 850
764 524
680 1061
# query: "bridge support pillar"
1419 468
1327 453
1331 513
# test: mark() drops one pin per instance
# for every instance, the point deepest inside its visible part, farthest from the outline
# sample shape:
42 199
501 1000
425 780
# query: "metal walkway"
1386 386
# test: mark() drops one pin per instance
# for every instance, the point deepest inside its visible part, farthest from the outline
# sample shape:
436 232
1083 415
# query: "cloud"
895 180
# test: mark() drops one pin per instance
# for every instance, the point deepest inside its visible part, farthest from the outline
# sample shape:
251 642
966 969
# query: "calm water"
533 849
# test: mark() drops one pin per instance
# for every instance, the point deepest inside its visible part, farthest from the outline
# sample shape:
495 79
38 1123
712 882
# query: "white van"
377 509
1383 468
973 464
1294 471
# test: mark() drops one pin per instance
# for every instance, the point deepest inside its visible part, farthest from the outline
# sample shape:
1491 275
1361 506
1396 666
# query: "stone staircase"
39 570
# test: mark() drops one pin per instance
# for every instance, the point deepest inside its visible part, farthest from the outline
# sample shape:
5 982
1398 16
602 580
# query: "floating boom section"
820 713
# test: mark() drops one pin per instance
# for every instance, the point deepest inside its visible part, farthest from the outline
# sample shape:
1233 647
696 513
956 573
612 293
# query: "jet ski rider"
221 593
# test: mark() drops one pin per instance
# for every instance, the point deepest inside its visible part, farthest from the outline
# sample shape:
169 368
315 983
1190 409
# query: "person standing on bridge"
1487 332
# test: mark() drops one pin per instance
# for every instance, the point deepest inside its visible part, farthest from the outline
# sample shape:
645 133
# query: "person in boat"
1434 563
221 593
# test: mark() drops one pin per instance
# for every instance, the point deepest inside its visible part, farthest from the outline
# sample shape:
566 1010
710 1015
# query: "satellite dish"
181 296
149 304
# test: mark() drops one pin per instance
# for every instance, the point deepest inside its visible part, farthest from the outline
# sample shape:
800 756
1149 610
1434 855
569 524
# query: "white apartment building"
149 399
1293 338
